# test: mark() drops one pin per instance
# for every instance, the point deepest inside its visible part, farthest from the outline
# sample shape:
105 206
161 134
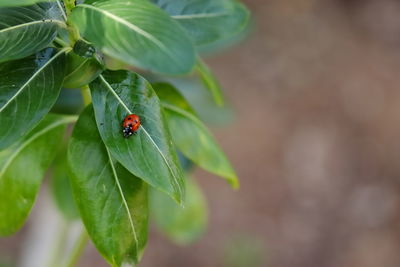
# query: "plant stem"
61 42
73 32
87 98
69 5
78 249
59 245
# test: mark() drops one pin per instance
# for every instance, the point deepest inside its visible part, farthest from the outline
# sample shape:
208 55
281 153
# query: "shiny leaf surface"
9 3
207 21
80 71
22 168
137 33
149 154
113 203
191 136
28 89
26 30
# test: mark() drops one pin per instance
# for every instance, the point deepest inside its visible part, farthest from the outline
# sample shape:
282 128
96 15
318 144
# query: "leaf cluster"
125 56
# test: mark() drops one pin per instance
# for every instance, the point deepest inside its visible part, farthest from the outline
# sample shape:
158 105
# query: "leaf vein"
125 203
32 78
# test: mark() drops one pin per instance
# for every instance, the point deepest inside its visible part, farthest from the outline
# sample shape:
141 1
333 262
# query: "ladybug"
130 125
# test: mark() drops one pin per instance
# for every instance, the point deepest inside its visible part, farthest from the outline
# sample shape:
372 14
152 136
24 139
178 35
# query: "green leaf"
149 154
28 89
191 136
181 225
207 21
61 187
210 82
199 98
22 168
8 3
81 71
26 30
137 33
202 101
113 203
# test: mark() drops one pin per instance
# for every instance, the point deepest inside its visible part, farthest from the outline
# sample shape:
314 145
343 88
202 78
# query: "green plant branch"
59 245
73 32
78 249
69 5
61 42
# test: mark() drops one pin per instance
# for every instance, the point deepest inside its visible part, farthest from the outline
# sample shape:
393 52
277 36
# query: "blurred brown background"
315 142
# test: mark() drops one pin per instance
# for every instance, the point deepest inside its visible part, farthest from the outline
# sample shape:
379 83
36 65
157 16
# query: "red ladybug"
130 125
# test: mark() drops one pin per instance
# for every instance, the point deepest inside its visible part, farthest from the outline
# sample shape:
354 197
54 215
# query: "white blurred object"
45 229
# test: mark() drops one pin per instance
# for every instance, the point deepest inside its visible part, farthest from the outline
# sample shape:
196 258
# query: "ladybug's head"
127 131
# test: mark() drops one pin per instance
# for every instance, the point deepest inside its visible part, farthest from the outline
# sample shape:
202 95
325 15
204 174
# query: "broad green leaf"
208 21
210 82
22 168
8 3
137 33
26 30
225 43
28 89
149 154
113 203
80 71
61 187
191 136
182 225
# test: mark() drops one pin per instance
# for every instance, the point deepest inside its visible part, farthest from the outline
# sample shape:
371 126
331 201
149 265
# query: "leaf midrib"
32 78
129 25
124 202
33 138
231 178
145 131
185 114
27 24
62 10
199 15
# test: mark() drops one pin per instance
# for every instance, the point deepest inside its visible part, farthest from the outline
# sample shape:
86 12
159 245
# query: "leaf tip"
234 182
